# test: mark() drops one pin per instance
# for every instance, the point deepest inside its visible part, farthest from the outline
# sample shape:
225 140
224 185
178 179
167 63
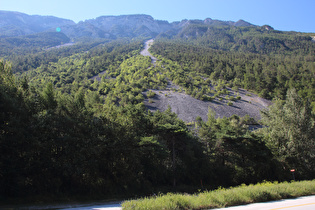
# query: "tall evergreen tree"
290 132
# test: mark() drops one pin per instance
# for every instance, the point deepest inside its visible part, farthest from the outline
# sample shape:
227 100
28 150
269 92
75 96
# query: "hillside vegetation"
66 132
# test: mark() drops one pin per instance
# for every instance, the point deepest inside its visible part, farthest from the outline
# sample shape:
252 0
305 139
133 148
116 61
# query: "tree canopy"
73 120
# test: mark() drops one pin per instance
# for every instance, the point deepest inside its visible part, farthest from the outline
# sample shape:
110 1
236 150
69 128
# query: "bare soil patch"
188 108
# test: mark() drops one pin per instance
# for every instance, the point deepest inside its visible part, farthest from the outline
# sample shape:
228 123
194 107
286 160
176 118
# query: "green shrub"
208 98
235 88
231 98
150 94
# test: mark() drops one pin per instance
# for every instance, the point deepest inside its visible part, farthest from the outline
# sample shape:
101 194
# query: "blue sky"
286 15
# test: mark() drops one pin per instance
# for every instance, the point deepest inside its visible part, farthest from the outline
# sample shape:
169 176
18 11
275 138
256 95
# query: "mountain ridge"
19 24
239 36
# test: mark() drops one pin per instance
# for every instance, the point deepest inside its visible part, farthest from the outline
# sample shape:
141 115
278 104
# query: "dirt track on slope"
145 51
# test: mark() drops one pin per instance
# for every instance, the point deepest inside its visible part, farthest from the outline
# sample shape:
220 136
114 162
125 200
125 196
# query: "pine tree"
290 132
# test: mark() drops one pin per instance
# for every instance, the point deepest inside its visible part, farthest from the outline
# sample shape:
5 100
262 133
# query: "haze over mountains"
19 24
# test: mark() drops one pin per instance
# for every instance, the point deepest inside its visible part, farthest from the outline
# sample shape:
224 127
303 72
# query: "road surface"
301 203
113 206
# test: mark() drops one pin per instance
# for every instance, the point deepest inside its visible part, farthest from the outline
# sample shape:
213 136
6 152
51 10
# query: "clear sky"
286 15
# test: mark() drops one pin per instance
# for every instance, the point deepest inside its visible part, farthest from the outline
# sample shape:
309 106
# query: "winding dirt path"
145 51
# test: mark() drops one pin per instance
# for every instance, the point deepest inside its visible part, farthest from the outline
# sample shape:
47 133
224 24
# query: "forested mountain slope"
262 40
268 75
65 132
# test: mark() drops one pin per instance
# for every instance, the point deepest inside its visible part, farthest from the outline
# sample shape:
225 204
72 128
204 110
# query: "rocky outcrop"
267 27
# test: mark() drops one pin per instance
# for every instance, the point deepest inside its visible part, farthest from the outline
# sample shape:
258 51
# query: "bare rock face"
84 29
240 23
106 23
267 27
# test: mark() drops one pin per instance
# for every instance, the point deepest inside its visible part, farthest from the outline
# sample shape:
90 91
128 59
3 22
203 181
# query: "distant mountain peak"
242 23
17 23
134 25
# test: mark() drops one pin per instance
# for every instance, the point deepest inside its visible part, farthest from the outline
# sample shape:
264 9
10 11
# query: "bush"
231 98
150 94
207 98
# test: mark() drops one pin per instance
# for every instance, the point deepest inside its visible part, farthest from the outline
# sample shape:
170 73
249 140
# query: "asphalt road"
113 206
301 203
